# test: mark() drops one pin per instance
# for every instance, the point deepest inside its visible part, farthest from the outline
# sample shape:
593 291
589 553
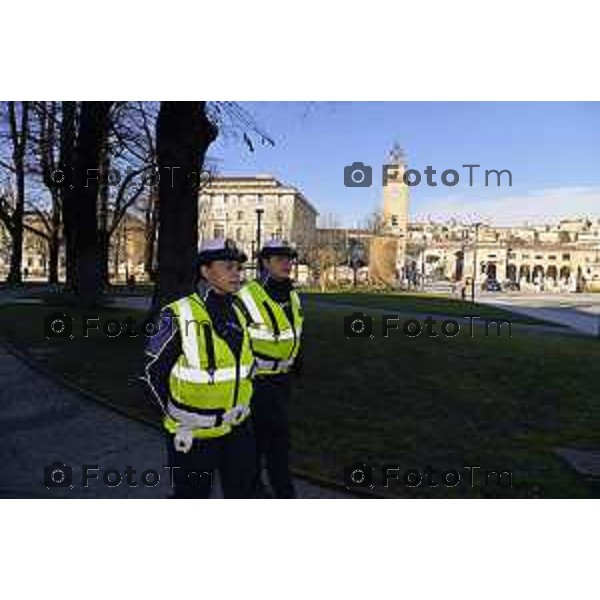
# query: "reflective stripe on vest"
189 341
218 376
249 303
190 420
266 334
270 365
191 425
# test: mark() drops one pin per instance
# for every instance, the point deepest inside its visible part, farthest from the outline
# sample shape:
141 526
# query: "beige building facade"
126 252
230 207
553 258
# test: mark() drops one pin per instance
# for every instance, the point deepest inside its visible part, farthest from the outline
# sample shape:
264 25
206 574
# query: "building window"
566 256
240 215
238 234
552 257
219 231
525 256
394 220
538 257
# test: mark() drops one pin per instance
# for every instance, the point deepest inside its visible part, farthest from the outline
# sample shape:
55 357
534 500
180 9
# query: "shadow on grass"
495 403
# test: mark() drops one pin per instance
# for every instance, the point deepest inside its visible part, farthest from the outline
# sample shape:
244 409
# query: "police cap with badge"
219 249
278 248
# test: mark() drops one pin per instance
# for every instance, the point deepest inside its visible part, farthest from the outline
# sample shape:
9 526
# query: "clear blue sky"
551 148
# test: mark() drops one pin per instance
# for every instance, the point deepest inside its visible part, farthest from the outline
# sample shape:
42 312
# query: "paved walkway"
580 314
42 422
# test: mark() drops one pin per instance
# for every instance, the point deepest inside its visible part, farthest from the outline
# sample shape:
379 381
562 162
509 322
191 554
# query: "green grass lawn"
496 403
421 303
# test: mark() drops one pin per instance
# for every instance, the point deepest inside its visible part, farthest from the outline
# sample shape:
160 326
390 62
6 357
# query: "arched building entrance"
538 274
511 272
525 273
552 272
565 273
491 270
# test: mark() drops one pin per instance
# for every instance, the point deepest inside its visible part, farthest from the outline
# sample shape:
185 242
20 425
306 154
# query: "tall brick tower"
396 196
387 256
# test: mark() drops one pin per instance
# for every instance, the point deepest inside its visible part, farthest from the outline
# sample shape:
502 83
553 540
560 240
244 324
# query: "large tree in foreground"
83 203
12 214
183 135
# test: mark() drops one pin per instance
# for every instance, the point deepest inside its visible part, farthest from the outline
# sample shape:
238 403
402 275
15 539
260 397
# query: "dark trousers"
270 418
234 455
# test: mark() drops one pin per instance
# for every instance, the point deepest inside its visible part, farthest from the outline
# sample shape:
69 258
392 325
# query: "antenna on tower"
397 156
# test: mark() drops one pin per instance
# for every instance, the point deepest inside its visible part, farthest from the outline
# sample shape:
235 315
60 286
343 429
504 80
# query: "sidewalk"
42 422
579 319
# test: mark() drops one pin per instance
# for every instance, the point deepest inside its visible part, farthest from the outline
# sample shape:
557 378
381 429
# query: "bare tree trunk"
69 201
19 134
47 115
54 242
93 129
117 253
150 226
184 134
103 233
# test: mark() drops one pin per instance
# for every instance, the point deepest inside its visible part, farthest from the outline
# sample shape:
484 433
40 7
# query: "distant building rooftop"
259 182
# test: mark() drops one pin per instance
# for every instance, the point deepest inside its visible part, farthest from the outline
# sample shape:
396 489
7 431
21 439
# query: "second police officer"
275 317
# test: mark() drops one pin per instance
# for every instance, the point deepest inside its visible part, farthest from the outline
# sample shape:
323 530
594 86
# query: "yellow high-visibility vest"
210 387
275 340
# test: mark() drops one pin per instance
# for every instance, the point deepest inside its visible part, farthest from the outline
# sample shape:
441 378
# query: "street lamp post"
259 213
475 267
423 262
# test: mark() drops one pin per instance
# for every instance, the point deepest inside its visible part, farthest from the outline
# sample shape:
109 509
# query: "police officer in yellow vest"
198 369
275 318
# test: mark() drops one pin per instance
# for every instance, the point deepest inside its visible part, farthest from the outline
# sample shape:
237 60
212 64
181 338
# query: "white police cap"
278 248
219 249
